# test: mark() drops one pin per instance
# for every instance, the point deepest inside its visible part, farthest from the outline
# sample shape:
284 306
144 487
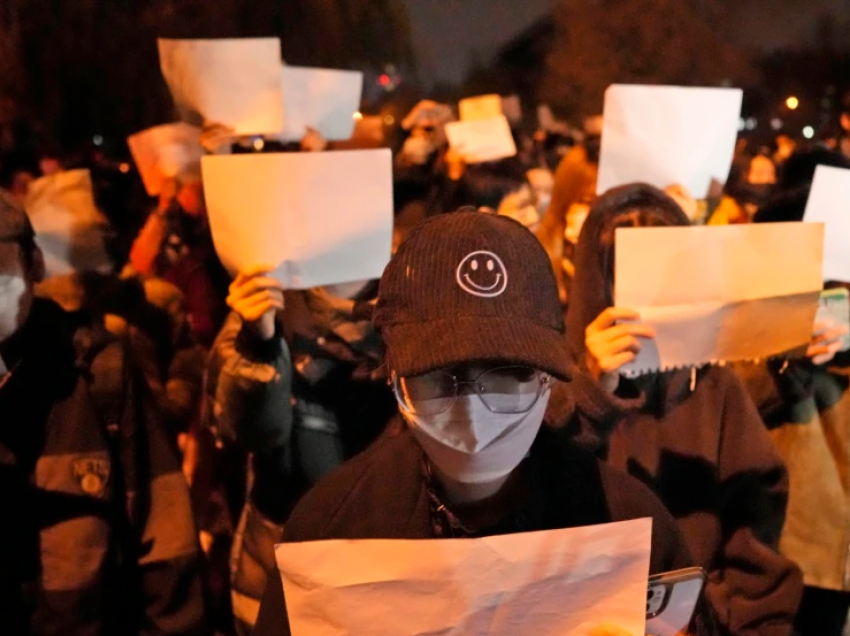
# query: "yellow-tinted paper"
165 151
719 293
553 583
482 139
482 107
232 82
70 230
318 218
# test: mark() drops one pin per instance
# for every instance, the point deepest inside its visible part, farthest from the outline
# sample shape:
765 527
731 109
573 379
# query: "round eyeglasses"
507 390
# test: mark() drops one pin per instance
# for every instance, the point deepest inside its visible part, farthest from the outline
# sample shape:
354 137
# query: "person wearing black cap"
474 335
694 436
96 533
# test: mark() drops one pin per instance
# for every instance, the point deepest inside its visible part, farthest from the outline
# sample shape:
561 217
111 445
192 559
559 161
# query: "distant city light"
97 140
808 132
792 103
742 124
776 123
752 123
259 144
389 120
385 80
124 168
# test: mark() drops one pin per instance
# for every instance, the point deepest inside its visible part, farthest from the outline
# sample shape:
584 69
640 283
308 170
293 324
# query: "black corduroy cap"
14 222
471 287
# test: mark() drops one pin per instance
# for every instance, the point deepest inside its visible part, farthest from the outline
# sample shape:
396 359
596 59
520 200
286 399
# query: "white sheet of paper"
233 82
552 583
323 99
482 140
70 230
719 293
829 203
668 135
319 218
165 151
481 107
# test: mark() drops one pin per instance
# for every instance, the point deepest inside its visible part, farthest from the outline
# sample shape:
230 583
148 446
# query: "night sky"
448 33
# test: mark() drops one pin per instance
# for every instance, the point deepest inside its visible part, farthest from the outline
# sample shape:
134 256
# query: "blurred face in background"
18 275
20 184
762 171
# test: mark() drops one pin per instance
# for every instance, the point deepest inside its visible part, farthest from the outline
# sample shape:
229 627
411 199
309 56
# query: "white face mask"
12 290
471 445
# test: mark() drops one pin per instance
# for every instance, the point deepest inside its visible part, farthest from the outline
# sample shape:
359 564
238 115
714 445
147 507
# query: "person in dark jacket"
474 334
302 391
695 437
96 536
805 403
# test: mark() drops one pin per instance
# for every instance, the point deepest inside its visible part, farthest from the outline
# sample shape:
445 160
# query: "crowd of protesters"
164 424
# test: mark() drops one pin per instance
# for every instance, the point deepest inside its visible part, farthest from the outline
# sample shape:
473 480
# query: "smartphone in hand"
671 601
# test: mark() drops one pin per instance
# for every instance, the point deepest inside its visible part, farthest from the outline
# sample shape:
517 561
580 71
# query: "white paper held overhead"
231 82
719 293
668 135
323 99
70 230
552 583
318 218
829 203
165 151
482 140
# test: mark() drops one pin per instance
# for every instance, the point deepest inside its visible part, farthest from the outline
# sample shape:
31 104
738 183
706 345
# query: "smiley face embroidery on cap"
482 274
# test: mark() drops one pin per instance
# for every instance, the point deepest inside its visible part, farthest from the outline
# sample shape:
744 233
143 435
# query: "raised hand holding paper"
829 203
323 99
666 135
232 82
483 107
165 151
552 583
719 294
318 218
482 140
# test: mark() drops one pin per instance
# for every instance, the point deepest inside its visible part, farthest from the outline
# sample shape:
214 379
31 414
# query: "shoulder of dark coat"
629 499
366 497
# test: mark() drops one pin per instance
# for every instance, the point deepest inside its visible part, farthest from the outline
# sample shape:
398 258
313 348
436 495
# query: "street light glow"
792 103
808 132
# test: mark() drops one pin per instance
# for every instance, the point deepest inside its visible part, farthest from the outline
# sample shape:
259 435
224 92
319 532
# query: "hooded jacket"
695 438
